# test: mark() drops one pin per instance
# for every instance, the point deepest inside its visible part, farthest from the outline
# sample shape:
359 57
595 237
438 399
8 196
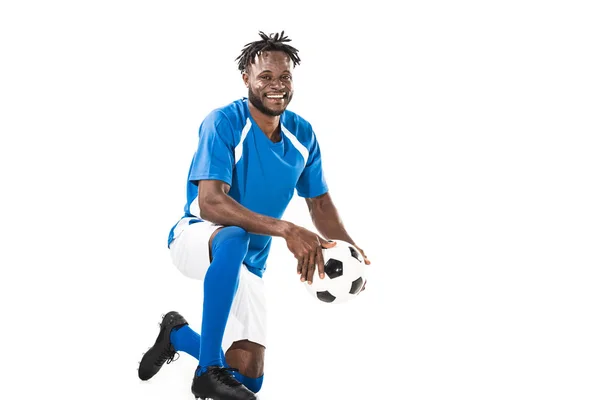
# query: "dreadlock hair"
273 42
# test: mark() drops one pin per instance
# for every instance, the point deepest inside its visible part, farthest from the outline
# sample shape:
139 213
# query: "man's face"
269 82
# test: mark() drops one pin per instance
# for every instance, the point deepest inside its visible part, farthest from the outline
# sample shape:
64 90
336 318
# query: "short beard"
256 102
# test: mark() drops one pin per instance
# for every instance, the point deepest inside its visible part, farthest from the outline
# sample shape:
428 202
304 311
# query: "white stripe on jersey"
239 149
303 150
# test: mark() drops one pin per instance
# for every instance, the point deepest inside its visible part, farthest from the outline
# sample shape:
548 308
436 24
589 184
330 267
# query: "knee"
247 357
233 238
250 366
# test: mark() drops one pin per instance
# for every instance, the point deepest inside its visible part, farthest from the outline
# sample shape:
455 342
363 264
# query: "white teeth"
275 96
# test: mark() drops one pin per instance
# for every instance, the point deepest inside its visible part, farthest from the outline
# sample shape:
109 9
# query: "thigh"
248 357
190 250
248 315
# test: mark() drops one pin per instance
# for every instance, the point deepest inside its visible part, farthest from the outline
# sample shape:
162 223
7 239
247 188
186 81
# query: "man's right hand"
307 247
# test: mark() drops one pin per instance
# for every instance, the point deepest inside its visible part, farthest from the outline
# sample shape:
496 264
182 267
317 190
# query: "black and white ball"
345 274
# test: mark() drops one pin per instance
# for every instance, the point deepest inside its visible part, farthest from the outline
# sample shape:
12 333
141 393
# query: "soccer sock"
186 340
253 384
229 247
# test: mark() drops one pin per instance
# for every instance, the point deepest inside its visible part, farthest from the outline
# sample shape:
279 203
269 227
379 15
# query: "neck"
267 123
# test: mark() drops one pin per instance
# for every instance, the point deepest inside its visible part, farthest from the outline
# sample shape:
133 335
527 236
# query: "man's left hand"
366 262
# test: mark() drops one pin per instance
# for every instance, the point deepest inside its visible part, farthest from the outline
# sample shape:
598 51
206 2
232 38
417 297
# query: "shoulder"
228 120
233 113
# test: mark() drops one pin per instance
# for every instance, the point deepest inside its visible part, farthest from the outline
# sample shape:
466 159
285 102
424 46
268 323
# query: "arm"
217 207
327 220
212 170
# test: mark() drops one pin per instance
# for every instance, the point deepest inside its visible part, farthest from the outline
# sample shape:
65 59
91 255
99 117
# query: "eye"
286 77
265 77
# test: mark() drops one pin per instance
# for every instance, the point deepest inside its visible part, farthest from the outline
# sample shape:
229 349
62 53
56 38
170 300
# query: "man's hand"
366 262
306 247
363 254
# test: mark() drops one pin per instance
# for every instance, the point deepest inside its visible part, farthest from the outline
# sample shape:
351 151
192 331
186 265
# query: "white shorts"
248 315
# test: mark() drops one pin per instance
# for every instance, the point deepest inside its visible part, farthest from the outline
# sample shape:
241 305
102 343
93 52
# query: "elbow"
208 207
204 215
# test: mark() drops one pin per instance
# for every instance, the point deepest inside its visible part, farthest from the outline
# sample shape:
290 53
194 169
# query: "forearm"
224 210
328 222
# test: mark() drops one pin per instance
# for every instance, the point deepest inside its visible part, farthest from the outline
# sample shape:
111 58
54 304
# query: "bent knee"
233 237
235 232
247 357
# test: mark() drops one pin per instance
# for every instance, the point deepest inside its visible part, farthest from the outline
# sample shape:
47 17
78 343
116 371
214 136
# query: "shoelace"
167 355
225 375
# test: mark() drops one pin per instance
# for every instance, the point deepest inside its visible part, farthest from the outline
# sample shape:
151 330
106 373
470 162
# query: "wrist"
286 229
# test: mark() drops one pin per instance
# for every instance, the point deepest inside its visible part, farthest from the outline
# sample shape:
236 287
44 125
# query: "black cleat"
162 350
219 383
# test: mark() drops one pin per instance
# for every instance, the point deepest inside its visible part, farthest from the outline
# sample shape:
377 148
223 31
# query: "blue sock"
186 340
253 384
229 248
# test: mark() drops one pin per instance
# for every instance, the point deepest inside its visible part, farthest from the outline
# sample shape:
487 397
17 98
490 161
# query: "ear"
246 78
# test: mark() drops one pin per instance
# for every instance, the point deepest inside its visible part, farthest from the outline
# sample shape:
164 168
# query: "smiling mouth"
276 96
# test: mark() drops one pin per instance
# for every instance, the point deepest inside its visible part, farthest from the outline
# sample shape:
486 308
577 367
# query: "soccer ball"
345 275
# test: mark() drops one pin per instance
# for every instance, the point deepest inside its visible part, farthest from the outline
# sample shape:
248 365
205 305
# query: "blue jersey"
262 175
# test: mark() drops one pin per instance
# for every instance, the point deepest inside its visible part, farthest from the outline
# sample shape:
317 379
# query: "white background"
460 141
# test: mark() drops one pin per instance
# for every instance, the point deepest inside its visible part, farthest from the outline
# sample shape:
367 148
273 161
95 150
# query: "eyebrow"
269 71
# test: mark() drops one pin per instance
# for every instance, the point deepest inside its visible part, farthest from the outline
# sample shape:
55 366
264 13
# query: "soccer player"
252 155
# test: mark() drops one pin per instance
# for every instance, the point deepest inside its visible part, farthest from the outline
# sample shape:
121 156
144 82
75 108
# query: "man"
252 155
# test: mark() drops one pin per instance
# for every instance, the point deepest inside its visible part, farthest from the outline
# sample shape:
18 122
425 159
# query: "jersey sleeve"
214 158
312 180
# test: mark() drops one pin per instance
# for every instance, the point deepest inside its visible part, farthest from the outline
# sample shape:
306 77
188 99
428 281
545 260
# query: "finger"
367 261
304 274
311 267
327 244
320 263
299 267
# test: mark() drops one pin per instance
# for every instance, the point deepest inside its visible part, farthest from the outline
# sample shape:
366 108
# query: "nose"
277 83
